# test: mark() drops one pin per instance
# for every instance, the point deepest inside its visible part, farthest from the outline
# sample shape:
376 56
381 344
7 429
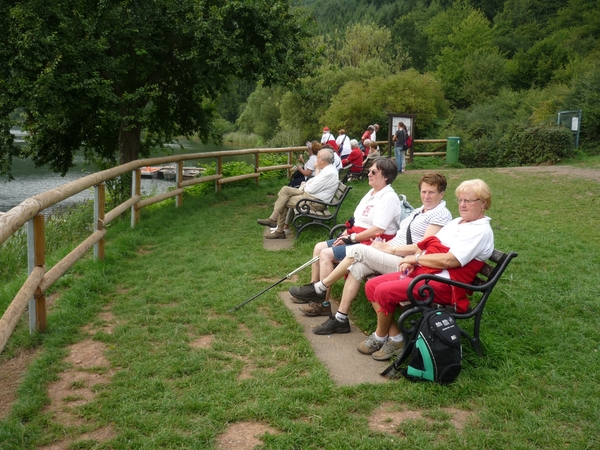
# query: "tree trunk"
129 143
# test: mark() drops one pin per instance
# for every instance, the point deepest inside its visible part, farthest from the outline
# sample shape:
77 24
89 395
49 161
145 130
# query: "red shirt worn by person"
366 135
356 159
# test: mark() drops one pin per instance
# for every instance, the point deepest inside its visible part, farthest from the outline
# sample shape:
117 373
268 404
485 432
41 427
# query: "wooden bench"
484 283
305 215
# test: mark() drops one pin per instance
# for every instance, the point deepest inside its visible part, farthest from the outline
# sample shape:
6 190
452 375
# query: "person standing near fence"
400 146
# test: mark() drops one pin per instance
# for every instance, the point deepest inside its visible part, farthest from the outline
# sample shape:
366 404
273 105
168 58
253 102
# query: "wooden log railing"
32 293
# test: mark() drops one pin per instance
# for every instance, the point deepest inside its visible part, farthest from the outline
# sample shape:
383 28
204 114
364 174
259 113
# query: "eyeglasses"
373 172
464 200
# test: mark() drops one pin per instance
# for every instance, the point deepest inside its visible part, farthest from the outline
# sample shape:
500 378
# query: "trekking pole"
306 264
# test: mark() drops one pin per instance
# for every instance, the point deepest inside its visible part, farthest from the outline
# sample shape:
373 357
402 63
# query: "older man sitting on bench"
321 187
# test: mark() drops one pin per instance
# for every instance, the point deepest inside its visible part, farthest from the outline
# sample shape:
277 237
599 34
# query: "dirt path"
592 174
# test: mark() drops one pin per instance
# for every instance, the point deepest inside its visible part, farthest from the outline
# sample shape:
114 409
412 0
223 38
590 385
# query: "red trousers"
389 290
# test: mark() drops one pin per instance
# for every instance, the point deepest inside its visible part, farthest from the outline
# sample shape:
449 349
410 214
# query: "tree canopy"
104 74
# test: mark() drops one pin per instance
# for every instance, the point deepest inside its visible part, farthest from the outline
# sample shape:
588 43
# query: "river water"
30 181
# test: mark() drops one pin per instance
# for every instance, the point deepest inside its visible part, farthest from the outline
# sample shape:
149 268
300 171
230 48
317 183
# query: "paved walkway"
338 351
277 244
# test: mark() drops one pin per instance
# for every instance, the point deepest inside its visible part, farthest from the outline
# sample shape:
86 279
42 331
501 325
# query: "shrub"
273 159
286 138
535 145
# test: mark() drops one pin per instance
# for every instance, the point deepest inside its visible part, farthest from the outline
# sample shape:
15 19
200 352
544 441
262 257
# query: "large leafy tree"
119 76
359 103
471 67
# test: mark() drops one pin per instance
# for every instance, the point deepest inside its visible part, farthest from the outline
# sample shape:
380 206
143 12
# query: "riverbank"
30 180
162 348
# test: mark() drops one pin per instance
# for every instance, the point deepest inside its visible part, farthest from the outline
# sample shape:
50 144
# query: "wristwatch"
353 237
417 258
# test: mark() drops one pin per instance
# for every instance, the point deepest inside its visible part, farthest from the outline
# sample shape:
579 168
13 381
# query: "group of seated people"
376 244
304 183
427 241
353 153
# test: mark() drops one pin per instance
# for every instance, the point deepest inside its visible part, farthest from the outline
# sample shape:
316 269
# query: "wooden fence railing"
40 279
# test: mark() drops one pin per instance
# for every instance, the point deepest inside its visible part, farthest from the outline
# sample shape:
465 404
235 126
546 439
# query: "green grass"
173 278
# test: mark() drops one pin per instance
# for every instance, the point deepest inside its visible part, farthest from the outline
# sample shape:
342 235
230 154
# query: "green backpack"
435 350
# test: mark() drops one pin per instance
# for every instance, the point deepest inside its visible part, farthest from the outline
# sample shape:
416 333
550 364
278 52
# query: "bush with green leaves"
520 146
535 145
431 163
273 159
585 95
359 103
286 138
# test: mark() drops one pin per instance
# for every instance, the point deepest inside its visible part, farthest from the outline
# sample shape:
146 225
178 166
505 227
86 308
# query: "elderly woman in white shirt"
376 215
458 252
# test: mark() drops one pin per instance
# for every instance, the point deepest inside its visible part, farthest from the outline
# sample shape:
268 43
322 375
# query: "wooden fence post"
136 183
99 206
36 257
256 164
219 172
178 180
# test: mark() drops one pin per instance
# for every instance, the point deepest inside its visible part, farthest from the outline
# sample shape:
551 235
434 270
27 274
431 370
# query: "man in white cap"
329 139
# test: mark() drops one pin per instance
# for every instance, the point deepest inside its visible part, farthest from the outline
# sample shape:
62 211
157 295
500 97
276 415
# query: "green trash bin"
452 148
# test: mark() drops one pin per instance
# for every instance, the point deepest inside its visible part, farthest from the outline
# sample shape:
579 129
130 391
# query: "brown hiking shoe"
276 235
389 350
314 309
370 345
267 222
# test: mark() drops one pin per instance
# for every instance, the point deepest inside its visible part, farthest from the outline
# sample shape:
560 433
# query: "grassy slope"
172 280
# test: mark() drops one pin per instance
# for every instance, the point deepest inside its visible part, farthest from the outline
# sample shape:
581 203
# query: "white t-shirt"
343 141
324 185
380 210
327 136
311 164
467 240
337 162
419 221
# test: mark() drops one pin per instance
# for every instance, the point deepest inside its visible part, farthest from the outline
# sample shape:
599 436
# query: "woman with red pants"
458 251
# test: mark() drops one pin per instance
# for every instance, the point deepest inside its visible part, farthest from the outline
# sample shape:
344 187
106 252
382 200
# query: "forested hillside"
127 78
495 73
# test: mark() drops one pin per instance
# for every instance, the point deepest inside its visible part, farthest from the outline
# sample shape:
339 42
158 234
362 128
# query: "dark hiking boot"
332 325
306 294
